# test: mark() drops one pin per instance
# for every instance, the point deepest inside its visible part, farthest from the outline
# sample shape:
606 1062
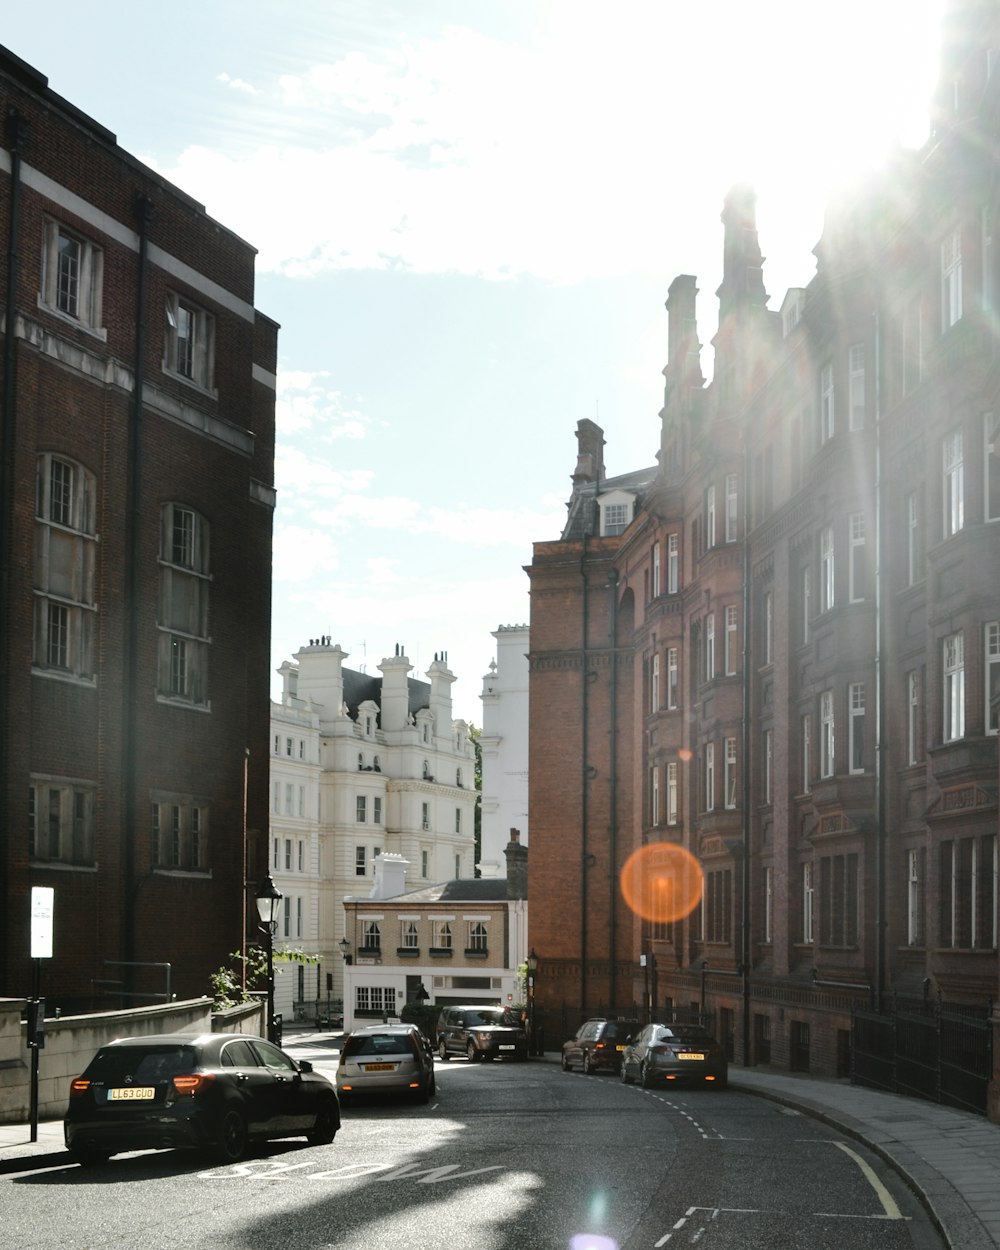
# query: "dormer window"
616 512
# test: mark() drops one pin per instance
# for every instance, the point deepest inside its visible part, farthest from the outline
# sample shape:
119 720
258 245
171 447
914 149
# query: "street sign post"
42 910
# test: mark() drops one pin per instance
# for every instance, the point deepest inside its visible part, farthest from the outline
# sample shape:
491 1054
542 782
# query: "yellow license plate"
380 1067
619 1048
690 1054
132 1093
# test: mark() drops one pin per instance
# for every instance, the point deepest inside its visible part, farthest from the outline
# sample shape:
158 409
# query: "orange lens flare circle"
662 882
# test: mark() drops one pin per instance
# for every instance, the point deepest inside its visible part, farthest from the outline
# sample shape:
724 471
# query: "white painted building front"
504 744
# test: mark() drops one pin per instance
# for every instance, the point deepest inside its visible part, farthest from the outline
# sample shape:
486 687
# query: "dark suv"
598 1044
480 1032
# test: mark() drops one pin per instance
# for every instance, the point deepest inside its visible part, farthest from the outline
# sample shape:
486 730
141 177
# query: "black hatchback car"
683 1053
597 1044
213 1091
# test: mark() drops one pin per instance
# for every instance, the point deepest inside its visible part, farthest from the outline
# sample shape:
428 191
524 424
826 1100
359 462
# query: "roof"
582 511
461 890
360 687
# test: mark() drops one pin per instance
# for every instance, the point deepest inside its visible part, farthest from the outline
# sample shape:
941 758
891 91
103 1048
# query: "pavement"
949 1158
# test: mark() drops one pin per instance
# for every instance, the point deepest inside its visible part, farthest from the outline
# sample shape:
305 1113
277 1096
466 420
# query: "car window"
618 1030
376 1044
271 1057
485 1017
239 1055
140 1065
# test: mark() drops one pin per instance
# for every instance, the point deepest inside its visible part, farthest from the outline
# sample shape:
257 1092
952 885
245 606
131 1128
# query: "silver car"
386 1058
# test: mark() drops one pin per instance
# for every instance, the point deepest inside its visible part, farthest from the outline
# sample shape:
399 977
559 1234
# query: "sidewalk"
951 1159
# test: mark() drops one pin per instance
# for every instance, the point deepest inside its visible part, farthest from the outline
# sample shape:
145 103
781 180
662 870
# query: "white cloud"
237 84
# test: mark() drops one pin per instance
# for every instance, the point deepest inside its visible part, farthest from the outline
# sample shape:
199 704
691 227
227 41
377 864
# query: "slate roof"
359 687
582 517
461 890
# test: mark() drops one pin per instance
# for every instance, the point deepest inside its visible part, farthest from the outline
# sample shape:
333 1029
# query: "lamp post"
532 965
345 947
268 901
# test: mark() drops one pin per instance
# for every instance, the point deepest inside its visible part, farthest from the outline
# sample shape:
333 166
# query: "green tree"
237 981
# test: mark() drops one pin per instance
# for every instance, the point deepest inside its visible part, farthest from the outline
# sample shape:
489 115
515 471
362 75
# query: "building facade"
780 648
460 941
136 502
360 766
504 746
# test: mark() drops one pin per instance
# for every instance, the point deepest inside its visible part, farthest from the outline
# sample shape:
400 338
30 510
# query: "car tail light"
79 1085
193 1083
660 1050
600 1045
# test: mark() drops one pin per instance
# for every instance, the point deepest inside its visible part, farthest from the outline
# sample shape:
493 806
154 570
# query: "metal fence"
941 1055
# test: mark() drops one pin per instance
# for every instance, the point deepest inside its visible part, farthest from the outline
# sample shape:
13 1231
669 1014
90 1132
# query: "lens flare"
662 882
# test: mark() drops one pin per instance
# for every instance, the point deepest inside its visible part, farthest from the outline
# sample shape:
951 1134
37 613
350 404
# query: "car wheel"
644 1076
623 1074
443 1050
90 1156
566 1065
472 1053
325 1129
233 1136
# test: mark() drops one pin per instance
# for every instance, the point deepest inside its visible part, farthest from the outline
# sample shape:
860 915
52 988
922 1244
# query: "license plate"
380 1067
505 1047
689 1054
619 1048
132 1093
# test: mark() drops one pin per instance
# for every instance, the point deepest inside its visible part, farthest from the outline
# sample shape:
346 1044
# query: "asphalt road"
507 1156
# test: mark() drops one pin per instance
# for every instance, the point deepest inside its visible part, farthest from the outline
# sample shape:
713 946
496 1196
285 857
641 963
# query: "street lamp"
532 965
345 946
268 901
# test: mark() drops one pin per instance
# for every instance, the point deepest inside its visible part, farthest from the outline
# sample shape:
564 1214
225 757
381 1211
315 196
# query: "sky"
467 215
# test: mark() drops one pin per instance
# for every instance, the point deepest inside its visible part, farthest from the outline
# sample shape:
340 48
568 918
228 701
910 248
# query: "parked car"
480 1032
597 1044
663 1053
386 1058
215 1091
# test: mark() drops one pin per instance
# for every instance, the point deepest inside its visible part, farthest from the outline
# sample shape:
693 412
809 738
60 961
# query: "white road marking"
888 1202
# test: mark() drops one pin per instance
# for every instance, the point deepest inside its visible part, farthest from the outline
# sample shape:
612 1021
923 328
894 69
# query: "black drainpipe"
143 210
613 795
15 136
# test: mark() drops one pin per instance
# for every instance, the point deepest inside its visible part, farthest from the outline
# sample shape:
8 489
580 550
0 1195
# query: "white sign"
42 907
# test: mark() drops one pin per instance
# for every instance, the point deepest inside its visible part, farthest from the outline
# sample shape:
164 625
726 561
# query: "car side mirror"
460 1022
305 1065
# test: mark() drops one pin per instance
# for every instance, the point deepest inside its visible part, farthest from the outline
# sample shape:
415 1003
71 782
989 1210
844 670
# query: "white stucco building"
361 764
504 744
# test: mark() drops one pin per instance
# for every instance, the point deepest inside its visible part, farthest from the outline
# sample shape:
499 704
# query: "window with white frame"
673 676
708 799
953 484
672 794
654 682
289 799
64 560
710 532
72 277
767 628
991 648
710 646
856 726
615 518
968 893
371 935
826 413
826 569
178 833
425 864
183 605
301 863
277 853
914 538
912 716
857 564
189 341
951 279
806 727
732 506
732 640
808 900
425 815
288 854
991 467
730 772
458 820
361 808
654 795
656 569
953 694
826 728
60 822
360 861
915 863
376 809
409 937
673 563
768 765
374 1000
806 584
856 386
442 935
478 935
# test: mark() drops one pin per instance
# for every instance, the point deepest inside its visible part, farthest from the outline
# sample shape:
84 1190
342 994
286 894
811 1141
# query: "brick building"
780 647
136 503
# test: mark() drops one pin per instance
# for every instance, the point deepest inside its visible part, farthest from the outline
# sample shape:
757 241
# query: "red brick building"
780 647
136 502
